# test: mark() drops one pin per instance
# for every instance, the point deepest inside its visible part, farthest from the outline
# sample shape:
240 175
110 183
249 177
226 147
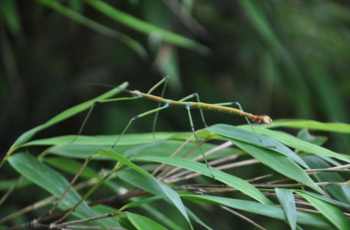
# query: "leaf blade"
231 180
333 214
286 199
145 27
143 223
49 180
162 188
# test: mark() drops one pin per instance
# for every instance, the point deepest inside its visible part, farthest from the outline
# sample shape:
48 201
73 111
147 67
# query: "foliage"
281 58
138 154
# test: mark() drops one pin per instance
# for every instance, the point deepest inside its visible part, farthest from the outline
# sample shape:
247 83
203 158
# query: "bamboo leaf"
51 181
268 210
228 179
286 199
337 192
332 213
270 158
306 136
313 125
143 223
67 114
279 163
249 137
154 186
327 199
261 209
75 16
296 143
108 140
145 27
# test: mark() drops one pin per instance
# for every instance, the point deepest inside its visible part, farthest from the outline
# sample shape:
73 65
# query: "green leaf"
143 223
228 179
249 137
75 16
119 158
286 199
248 206
196 219
336 192
67 114
107 140
134 144
309 124
149 183
261 209
83 106
49 180
145 27
10 16
279 163
26 136
60 117
332 213
269 157
71 166
296 143
316 140
7 184
327 199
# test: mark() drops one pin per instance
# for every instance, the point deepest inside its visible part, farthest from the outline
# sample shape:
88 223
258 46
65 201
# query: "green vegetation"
287 59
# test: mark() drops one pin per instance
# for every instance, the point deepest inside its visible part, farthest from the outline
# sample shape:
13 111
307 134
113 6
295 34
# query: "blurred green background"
287 59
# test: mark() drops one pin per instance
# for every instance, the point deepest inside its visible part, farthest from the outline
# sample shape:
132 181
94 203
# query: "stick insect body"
261 119
184 103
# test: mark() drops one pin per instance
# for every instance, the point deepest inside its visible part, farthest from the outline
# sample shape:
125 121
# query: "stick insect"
183 103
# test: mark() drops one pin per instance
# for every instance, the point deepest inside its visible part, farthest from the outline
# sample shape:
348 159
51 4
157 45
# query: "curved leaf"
333 214
337 192
66 114
261 209
75 16
145 27
155 186
296 143
269 157
51 181
228 179
250 137
279 163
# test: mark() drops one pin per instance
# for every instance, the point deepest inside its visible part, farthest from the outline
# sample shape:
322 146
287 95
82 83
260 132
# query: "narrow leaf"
286 199
66 114
248 206
269 157
296 143
49 180
143 223
228 179
336 192
309 124
261 209
155 186
75 16
279 163
333 214
247 136
145 27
